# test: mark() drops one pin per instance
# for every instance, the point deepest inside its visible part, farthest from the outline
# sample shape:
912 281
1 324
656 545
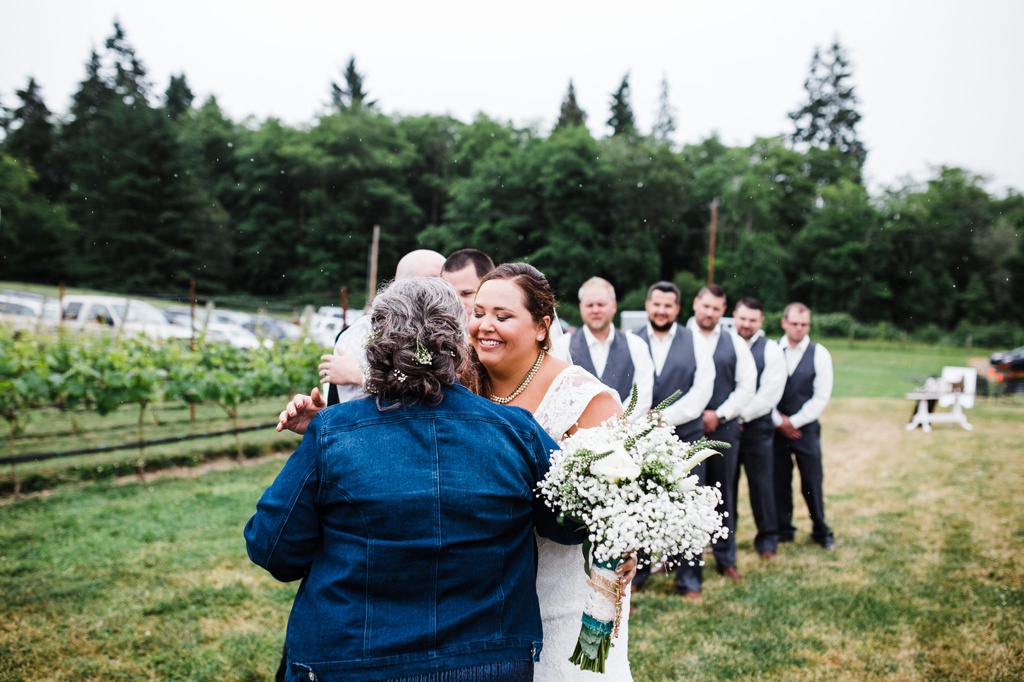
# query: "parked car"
265 327
328 323
1007 368
132 317
239 337
218 315
28 311
218 326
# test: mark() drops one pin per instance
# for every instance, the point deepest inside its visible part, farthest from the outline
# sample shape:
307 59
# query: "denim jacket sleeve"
544 518
285 532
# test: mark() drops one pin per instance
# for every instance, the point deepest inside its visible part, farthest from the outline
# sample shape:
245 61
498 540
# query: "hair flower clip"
422 355
399 374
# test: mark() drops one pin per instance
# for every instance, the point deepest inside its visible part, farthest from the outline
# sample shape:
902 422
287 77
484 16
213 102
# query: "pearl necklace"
522 386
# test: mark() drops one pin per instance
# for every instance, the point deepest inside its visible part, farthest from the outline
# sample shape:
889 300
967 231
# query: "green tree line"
140 191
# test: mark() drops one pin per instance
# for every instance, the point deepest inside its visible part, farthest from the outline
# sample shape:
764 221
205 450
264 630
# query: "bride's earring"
540 337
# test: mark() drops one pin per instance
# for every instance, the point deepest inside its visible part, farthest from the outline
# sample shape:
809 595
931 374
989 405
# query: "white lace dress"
561 583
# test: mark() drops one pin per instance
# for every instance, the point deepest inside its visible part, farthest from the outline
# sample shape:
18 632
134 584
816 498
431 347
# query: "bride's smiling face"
501 328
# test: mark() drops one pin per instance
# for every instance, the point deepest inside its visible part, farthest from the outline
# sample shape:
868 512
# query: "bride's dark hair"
539 300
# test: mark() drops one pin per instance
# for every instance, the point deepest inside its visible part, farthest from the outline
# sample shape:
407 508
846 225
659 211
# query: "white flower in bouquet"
616 466
630 485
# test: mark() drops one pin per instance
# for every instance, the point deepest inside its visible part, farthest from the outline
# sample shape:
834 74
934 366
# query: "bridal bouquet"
630 485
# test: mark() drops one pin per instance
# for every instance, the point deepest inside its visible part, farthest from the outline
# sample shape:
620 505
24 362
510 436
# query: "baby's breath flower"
645 499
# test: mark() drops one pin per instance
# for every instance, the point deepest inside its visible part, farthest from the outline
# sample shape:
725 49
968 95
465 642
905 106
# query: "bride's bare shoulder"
601 408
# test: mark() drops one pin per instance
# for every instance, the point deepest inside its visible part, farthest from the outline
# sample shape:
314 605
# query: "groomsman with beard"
734 386
680 364
798 433
757 428
618 358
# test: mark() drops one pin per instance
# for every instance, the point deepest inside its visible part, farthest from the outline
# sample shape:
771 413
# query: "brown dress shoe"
694 597
767 556
730 573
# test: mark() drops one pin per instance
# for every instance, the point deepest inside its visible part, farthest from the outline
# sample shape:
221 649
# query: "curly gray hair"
417 344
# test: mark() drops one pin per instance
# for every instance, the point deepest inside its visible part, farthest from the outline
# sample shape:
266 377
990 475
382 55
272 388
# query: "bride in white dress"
509 331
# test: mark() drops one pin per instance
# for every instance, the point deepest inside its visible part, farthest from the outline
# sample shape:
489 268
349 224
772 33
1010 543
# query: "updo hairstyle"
417 343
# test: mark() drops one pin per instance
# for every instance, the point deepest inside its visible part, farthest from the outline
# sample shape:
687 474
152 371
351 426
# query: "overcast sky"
939 81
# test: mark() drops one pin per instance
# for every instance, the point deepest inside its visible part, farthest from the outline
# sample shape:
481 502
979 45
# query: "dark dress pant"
720 470
757 457
806 450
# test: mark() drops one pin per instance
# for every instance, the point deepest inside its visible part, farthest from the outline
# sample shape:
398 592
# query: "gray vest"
725 371
800 384
677 374
618 370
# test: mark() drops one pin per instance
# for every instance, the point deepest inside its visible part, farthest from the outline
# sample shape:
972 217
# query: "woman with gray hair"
416 552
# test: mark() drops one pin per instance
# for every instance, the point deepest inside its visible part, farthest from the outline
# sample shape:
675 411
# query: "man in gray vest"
618 358
798 433
735 383
757 428
679 365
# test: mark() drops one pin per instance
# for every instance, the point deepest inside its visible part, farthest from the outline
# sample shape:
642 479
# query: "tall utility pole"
371 286
711 241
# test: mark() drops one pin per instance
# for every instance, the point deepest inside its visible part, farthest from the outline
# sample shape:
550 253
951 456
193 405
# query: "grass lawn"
150 580
888 370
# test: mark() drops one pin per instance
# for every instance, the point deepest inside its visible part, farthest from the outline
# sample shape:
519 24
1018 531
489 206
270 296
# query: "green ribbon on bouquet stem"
595 639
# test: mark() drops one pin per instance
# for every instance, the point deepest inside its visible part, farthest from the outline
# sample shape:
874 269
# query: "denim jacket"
412 532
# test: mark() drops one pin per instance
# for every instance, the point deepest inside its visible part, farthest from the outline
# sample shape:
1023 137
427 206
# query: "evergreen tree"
828 121
178 98
129 78
665 124
35 235
91 97
131 190
30 138
352 97
570 114
621 120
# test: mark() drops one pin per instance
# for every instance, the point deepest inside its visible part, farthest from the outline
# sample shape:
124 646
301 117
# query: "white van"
129 316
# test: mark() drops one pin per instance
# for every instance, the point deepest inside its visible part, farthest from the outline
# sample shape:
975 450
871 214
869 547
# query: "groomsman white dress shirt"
773 381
